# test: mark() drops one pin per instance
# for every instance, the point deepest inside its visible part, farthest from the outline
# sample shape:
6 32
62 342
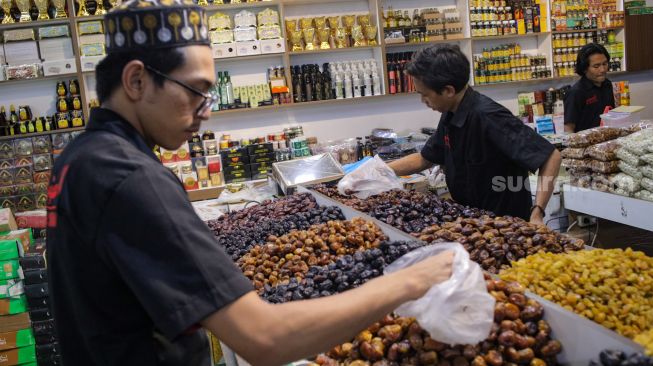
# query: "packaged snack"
647 184
647 171
576 163
630 170
626 183
604 151
581 181
644 195
638 142
642 125
647 158
573 153
620 192
593 136
628 157
606 167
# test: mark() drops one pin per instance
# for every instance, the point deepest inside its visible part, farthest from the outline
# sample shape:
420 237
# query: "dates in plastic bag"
647 158
624 155
638 142
606 167
626 183
593 136
573 153
630 170
647 171
605 151
576 163
647 184
644 195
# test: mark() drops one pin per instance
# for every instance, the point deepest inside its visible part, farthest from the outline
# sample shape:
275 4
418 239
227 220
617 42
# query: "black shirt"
132 269
585 102
487 153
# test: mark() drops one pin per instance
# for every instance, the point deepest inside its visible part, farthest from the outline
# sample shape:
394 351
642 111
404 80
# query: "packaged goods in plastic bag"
606 167
601 182
620 192
581 181
628 157
625 182
647 171
641 125
605 151
630 170
576 163
457 311
647 158
647 184
372 177
593 136
644 195
638 142
573 153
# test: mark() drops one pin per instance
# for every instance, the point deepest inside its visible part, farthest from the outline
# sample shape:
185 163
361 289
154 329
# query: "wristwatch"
539 207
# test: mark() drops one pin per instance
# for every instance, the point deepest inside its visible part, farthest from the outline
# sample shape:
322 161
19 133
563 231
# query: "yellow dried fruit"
646 340
613 287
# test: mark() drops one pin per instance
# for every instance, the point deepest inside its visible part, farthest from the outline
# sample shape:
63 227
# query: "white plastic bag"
457 311
372 177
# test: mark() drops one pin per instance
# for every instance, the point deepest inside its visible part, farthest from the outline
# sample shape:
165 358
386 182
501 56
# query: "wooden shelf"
247 110
237 6
429 43
334 50
33 24
312 2
252 57
4 138
88 18
42 78
510 36
585 30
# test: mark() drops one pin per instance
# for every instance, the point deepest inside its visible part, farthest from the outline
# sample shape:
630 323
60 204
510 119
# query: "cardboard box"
56 49
17 339
92 39
7 220
59 67
31 219
237 176
9 270
18 356
224 50
13 305
248 48
89 62
14 323
205 194
273 46
10 249
21 53
261 158
235 167
2 58
265 148
24 235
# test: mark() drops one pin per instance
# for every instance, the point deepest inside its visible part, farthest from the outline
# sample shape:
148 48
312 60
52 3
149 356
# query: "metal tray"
582 339
311 170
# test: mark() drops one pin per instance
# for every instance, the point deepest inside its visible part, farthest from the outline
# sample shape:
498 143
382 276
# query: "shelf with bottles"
39 78
44 133
424 44
335 50
587 30
221 6
331 34
507 63
490 18
585 14
336 81
510 36
399 82
426 24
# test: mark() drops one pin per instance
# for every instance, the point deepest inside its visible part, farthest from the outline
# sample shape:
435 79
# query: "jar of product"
576 41
612 37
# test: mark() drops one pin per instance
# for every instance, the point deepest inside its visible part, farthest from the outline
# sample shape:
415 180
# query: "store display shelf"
424 44
42 78
32 24
246 58
314 2
88 17
624 210
334 50
586 30
238 6
247 110
4 138
510 36
521 82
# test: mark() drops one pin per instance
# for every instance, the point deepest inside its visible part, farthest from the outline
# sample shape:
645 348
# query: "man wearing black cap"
134 274
589 97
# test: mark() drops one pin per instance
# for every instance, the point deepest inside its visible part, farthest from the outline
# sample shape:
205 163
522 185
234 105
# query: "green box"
11 288
9 249
18 356
9 269
13 305
635 3
18 339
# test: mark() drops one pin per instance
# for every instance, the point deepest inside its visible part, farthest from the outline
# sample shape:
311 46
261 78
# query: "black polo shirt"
487 154
131 268
585 102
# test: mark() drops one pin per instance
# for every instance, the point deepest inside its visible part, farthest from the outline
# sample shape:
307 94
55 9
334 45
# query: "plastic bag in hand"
372 177
457 311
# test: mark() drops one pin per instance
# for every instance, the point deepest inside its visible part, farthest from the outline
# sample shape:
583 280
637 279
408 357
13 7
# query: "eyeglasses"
209 98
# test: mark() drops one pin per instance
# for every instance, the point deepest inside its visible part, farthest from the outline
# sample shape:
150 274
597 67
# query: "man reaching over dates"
134 273
485 150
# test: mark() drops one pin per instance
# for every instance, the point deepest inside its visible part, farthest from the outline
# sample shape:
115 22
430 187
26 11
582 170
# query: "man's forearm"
546 180
410 164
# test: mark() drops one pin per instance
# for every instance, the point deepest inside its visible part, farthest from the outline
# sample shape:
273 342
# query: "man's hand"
430 271
537 217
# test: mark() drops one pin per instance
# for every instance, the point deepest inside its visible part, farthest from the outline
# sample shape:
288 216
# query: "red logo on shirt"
446 141
53 193
592 100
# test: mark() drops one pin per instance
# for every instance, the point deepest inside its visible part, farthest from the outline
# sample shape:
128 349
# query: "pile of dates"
238 242
349 271
495 242
410 212
254 216
619 358
519 337
284 257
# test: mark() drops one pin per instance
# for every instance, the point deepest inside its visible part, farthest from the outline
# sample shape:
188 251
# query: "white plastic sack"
457 311
372 177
